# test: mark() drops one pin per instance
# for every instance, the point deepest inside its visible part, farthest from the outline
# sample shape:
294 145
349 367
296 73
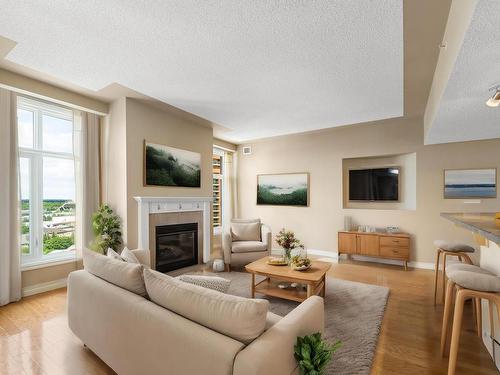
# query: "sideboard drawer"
395 252
394 241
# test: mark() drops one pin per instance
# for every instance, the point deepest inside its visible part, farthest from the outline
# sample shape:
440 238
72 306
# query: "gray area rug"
353 315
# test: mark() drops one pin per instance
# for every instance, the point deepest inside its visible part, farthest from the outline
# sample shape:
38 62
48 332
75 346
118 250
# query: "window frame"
219 176
36 156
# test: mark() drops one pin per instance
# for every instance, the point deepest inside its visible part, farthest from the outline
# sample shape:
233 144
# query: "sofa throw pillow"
211 282
243 319
113 254
128 256
245 231
125 275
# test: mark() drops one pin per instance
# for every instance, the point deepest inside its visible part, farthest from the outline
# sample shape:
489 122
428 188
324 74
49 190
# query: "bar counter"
483 223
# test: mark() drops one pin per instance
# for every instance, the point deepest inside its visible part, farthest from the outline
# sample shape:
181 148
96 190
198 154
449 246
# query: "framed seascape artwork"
286 189
170 166
470 183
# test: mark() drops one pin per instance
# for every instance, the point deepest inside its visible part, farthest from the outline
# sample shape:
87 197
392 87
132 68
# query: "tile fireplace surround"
159 205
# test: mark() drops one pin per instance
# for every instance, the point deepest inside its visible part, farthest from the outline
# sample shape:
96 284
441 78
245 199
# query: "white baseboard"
44 287
335 256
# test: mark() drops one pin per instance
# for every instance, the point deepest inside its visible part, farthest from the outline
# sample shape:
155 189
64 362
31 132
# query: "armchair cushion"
245 230
248 246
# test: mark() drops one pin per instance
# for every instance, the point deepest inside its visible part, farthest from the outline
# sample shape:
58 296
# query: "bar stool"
449 249
477 284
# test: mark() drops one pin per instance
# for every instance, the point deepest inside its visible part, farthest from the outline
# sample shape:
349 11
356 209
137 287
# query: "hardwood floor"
35 338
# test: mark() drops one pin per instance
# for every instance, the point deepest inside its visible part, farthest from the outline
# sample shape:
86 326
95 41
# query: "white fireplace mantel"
157 205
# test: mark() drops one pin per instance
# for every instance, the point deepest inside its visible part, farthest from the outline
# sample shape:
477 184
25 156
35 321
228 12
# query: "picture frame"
470 183
283 189
170 166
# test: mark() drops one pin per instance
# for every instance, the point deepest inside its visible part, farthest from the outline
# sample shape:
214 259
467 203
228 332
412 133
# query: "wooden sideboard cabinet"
381 245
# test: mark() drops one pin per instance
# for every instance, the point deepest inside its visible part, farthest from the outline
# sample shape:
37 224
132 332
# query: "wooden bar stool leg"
457 327
467 258
446 315
479 316
436 274
444 273
492 327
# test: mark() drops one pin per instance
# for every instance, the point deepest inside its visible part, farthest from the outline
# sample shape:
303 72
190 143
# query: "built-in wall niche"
407 166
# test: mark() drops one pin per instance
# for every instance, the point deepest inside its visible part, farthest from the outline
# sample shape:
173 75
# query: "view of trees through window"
47 179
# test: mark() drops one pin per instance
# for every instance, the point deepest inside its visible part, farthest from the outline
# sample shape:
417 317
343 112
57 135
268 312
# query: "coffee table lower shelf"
270 287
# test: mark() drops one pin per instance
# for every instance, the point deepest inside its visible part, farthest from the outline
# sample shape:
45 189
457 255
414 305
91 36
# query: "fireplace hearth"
176 246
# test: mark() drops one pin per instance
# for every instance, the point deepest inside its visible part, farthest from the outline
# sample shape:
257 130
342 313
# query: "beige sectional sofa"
135 335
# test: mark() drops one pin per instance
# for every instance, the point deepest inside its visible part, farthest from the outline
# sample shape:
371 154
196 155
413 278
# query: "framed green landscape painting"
287 189
170 166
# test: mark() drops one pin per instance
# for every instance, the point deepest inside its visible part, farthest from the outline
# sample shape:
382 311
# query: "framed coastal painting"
470 183
170 166
287 189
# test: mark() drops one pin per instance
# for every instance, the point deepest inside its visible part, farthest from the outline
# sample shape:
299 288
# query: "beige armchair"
245 241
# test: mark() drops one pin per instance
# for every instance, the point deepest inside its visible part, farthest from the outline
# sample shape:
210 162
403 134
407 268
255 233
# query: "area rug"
353 315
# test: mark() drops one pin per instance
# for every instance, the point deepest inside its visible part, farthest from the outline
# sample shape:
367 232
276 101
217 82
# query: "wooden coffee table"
314 278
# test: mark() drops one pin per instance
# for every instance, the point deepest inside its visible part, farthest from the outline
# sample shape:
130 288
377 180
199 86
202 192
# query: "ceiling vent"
247 150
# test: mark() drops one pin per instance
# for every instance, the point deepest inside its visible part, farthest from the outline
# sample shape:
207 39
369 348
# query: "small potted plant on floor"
286 239
313 354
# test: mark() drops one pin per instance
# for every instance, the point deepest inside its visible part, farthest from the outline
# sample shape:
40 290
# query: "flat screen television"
378 184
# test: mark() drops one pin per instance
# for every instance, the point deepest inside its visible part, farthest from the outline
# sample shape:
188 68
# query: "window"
217 186
47 179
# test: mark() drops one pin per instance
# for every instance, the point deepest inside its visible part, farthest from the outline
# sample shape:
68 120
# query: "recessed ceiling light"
494 101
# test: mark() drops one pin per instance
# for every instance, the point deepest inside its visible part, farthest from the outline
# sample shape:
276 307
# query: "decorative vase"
287 255
218 265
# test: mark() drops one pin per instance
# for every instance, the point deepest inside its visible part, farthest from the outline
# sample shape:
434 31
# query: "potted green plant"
107 229
286 239
313 354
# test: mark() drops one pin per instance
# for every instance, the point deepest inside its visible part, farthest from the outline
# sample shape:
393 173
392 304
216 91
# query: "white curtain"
10 252
87 160
229 203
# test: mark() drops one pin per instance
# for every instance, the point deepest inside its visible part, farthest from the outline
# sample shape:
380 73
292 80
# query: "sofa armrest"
227 244
272 352
267 236
144 256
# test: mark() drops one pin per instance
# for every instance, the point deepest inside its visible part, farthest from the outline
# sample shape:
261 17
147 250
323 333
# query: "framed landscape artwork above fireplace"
170 166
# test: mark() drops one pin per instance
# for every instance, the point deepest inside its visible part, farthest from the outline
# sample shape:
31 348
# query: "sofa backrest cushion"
242 319
128 256
125 275
245 230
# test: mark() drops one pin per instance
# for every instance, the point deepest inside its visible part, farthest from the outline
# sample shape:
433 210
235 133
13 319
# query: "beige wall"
132 121
114 160
321 153
43 90
225 145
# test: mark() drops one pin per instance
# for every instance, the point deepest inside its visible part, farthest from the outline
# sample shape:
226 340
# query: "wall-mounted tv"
378 184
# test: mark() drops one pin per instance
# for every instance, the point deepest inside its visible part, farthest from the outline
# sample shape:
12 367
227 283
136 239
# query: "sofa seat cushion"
248 246
125 275
211 282
245 230
242 319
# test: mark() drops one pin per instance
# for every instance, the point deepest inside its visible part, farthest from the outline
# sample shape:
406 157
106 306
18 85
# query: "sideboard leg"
406 265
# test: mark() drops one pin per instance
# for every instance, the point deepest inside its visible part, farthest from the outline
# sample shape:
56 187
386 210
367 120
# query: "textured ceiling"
463 114
260 68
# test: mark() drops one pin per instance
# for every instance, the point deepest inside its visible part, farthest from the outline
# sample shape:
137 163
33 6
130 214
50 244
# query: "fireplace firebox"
176 246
